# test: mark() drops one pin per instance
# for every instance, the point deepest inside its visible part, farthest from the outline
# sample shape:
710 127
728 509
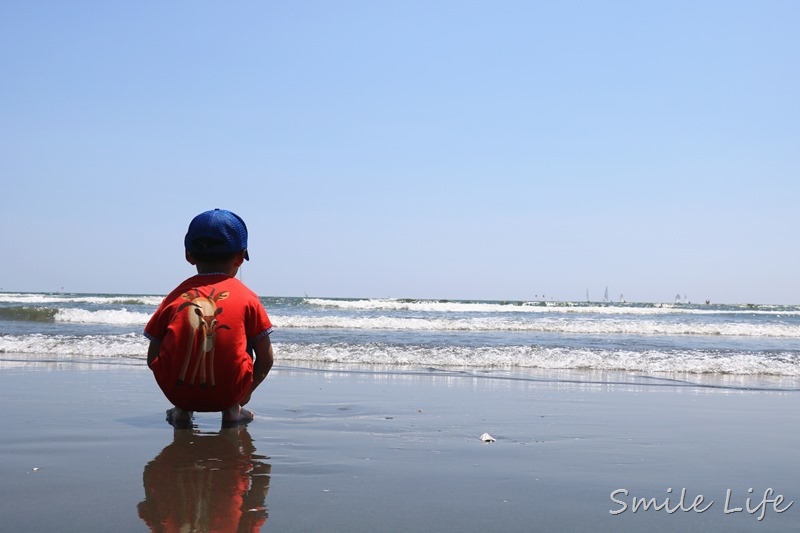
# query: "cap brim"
247 255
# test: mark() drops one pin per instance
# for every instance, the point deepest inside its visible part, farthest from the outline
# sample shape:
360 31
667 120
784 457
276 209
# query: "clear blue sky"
439 149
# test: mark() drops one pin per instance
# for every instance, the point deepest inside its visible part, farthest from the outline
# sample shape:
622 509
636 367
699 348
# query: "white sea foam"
134 345
573 325
452 306
95 346
118 317
736 363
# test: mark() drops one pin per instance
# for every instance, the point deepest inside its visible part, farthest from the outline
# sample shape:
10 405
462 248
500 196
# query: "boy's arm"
152 351
262 365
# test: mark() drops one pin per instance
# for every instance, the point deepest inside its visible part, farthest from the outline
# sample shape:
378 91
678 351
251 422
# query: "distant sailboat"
587 296
605 296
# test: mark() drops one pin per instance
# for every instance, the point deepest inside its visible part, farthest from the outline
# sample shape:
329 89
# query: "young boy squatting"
204 333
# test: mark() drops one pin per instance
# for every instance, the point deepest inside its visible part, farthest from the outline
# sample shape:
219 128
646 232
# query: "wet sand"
85 447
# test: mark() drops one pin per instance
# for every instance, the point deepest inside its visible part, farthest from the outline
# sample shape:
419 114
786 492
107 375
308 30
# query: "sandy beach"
85 448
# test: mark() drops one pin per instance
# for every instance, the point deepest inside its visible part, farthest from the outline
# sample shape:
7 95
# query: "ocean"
743 346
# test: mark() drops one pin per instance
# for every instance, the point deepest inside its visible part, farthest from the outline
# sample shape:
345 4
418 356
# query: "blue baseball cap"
217 232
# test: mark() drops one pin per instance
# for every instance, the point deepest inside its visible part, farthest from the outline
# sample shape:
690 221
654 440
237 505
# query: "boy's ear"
190 259
240 258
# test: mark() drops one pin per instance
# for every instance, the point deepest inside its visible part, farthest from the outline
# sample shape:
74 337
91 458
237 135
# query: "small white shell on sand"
487 438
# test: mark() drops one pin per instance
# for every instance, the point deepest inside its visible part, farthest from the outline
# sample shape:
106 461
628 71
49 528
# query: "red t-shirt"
206 327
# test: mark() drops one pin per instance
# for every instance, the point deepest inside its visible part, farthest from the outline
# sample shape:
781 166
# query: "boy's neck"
210 272
229 266
230 269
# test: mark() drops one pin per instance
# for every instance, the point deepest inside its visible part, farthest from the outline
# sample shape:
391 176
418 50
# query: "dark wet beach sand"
85 448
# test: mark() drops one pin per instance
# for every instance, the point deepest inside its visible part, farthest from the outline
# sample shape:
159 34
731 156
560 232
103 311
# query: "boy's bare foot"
176 415
236 415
